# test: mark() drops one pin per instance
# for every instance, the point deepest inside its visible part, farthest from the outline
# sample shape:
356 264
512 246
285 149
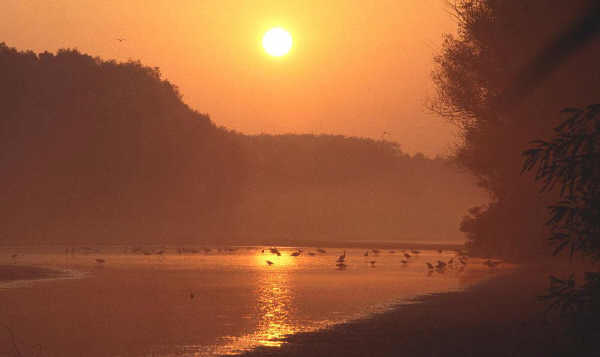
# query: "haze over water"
205 304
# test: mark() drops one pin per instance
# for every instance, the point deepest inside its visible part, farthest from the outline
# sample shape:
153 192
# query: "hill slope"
99 151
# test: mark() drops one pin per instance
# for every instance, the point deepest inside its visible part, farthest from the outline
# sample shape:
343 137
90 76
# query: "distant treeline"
332 187
99 151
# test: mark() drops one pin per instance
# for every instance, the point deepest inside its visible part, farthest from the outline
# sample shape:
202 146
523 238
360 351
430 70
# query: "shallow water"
203 304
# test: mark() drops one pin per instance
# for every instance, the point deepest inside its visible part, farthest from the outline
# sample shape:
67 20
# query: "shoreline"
15 273
497 317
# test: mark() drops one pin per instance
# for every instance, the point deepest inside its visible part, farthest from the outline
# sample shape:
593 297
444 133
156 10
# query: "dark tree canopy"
495 40
570 162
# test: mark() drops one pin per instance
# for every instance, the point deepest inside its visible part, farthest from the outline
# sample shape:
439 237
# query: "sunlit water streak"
206 304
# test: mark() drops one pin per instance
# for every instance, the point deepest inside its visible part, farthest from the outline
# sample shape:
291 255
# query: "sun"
277 42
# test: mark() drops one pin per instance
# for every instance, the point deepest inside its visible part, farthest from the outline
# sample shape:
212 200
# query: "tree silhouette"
570 163
475 69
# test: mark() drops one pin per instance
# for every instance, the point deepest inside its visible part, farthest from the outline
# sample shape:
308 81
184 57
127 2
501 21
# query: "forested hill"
102 152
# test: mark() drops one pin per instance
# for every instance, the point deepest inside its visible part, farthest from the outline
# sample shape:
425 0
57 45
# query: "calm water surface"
202 304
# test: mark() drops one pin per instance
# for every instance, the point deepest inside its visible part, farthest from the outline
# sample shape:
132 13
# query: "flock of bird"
457 263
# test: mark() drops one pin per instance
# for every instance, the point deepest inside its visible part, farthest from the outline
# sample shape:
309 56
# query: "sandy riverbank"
15 272
499 317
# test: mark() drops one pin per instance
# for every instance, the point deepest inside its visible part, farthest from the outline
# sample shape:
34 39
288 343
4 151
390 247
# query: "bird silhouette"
100 261
491 264
372 262
120 39
429 265
322 251
270 262
341 258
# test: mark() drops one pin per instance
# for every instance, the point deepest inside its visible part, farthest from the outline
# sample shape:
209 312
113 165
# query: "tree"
570 163
495 41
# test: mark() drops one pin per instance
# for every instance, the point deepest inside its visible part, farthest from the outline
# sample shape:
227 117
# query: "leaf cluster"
570 163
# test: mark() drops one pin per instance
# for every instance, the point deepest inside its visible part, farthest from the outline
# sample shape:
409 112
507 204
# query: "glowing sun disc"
277 42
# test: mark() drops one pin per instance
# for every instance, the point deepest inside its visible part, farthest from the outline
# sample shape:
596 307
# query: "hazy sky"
356 67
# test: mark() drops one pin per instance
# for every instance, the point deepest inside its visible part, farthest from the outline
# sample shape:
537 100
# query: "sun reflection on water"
274 300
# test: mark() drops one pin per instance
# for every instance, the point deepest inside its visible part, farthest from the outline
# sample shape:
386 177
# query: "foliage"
571 161
494 42
579 304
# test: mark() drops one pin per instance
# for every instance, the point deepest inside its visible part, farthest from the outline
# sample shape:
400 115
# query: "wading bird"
429 265
406 255
341 258
491 264
341 266
322 251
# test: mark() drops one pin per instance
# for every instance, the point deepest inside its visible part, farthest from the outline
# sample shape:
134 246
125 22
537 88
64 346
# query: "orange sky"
356 67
